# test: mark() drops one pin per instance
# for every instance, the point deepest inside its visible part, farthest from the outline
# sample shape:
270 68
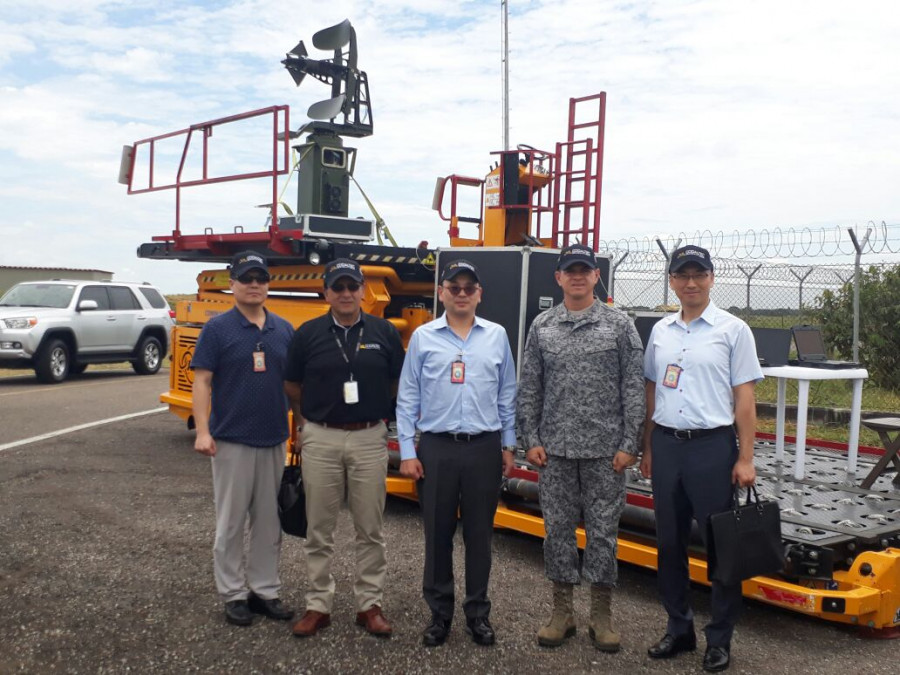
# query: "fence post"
668 258
749 277
859 249
612 275
801 280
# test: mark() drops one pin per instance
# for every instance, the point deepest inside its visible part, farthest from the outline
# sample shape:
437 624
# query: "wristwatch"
509 448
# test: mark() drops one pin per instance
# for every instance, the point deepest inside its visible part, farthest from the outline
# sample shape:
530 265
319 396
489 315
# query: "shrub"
879 323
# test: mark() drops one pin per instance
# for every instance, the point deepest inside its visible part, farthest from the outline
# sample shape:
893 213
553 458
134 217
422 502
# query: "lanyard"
355 351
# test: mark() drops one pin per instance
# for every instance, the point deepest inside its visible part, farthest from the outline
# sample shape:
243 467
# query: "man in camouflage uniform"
580 410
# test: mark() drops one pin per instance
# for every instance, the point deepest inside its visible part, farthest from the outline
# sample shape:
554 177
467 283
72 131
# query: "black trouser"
691 479
464 477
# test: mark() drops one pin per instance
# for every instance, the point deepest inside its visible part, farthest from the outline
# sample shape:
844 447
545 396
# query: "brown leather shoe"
310 623
374 622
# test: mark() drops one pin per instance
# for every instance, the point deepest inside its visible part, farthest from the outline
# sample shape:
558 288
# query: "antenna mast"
504 4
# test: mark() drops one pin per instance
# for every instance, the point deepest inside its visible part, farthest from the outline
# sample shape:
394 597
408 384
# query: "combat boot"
601 631
562 622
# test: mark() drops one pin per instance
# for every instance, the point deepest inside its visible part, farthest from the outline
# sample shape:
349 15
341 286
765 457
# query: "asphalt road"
29 408
105 567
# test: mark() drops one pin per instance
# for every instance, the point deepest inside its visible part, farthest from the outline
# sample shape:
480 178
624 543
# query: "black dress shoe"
238 613
716 659
671 645
271 608
481 631
436 633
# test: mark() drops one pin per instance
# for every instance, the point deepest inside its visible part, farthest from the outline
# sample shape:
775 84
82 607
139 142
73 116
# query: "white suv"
60 327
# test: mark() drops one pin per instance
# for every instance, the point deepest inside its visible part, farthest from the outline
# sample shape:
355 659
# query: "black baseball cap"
690 254
245 261
458 267
576 254
342 267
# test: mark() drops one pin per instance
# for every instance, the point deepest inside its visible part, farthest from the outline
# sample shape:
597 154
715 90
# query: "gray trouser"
568 488
245 483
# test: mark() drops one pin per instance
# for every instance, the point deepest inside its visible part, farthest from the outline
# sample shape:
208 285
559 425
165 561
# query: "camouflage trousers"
568 489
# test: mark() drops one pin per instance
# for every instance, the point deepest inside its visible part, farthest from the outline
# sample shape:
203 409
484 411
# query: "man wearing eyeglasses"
341 376
580 409
240 414
701 369
458 387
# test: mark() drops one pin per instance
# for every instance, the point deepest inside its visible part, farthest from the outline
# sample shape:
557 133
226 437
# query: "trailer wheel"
149 357
52 363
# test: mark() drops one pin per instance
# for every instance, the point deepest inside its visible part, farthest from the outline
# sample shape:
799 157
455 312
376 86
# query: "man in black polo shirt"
341 376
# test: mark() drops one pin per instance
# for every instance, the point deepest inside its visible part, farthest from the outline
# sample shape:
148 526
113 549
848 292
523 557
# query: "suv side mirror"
85 305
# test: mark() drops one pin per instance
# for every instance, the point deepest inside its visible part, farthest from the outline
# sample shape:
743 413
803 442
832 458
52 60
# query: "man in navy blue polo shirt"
240 413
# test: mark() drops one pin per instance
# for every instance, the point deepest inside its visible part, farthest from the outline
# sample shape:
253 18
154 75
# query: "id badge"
259 362
457 372
673 374
351 392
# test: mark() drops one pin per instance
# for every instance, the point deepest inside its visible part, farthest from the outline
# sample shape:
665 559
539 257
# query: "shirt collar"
709 315
342 326
245 322
441 322
590 315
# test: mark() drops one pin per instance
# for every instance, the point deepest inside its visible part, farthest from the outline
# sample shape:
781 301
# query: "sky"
721 116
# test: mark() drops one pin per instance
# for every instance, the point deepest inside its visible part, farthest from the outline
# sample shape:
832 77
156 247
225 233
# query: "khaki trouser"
334 461
245 483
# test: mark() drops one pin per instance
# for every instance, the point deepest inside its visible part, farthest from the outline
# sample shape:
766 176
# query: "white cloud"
721 116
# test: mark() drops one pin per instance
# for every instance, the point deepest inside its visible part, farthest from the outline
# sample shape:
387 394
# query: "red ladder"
578 181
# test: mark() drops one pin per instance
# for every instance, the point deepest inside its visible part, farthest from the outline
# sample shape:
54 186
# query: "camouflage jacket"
581 390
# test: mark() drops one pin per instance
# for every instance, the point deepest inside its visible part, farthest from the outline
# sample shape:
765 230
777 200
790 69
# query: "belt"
348 426
460 436
691 434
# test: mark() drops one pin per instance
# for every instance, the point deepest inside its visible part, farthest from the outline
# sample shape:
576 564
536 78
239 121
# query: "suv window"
153 296
122 298
38 295
97 293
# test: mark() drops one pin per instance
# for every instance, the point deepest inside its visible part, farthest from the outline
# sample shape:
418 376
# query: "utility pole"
504 40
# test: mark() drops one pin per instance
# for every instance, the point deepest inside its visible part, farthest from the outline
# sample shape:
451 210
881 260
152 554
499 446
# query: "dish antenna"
349 111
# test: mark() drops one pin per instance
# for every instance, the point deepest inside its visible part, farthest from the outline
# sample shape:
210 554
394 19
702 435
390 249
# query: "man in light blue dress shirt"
458 388
701 370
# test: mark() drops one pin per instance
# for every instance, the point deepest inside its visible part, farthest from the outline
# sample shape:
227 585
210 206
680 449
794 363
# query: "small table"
804 375
884 426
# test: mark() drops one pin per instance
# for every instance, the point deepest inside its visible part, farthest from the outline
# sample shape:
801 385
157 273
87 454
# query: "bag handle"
752 497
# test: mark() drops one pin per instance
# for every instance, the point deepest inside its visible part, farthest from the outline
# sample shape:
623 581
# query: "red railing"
280 165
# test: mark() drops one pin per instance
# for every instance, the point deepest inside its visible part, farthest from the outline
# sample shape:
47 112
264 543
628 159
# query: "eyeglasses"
465 290
681 277
352 286
250 278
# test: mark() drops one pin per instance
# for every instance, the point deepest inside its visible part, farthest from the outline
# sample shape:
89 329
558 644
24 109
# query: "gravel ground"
106 567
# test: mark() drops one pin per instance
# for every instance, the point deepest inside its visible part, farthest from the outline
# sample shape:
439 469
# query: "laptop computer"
773 346
811 350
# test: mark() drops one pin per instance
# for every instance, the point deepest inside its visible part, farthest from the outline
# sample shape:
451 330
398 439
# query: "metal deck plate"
827 507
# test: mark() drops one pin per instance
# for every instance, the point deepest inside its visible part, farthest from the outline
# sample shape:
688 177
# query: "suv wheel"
52 363
149 356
